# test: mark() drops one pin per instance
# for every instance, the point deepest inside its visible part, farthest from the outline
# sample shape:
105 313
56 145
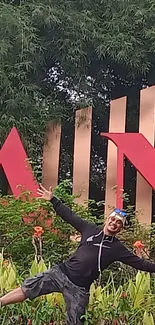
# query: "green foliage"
126 297
33 313
58 55
42 310
22 65
131 303
8 275
16 235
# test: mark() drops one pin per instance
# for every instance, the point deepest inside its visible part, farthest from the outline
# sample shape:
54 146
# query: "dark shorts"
54 280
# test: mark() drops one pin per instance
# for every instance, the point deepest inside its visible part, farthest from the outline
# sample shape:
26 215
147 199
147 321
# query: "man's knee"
23 295
43 283
33 287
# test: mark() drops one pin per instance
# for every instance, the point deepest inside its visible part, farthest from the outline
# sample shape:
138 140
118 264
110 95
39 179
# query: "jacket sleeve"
129 258
68 215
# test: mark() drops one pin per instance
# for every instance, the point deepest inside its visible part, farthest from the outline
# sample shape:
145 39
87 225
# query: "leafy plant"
131 303
19 216
8 275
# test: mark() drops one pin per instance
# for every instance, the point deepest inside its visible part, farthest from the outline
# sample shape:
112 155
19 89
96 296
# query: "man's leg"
41 284
76 302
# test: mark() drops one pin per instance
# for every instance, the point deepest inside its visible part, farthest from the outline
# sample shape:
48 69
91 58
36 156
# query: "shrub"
16 235
131 303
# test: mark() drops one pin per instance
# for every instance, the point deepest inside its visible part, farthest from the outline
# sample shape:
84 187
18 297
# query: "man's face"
113 225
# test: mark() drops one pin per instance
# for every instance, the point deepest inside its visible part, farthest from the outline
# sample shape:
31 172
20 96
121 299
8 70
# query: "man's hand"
45 194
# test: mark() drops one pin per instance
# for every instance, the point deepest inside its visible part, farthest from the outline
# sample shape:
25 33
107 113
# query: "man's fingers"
42 187
50 189
40 192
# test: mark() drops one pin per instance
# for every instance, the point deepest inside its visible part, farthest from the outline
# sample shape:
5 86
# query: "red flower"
19 319
124 295
38 231
138 244
115 322
29 322
55 231
4 202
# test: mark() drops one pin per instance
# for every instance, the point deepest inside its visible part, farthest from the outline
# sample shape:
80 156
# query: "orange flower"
38 231
138 244
6 263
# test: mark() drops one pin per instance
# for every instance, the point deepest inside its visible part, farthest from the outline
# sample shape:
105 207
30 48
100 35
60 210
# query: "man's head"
115 222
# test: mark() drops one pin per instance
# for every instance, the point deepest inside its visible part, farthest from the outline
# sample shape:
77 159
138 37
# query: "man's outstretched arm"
129 258
62 210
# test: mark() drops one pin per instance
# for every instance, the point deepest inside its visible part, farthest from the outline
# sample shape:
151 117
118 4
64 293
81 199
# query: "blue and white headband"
119 214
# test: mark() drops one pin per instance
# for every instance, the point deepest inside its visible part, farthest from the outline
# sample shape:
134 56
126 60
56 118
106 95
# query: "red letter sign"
15 164
140 153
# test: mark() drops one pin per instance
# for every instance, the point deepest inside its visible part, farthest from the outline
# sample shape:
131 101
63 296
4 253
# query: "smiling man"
98 248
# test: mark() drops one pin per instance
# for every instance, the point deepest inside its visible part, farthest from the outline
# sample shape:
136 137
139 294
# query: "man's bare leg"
15 296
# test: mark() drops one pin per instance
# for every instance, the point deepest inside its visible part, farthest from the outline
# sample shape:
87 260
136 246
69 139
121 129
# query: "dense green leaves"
16 235
22 71
56 54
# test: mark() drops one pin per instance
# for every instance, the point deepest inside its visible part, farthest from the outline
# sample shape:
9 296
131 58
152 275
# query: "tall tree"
57 54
